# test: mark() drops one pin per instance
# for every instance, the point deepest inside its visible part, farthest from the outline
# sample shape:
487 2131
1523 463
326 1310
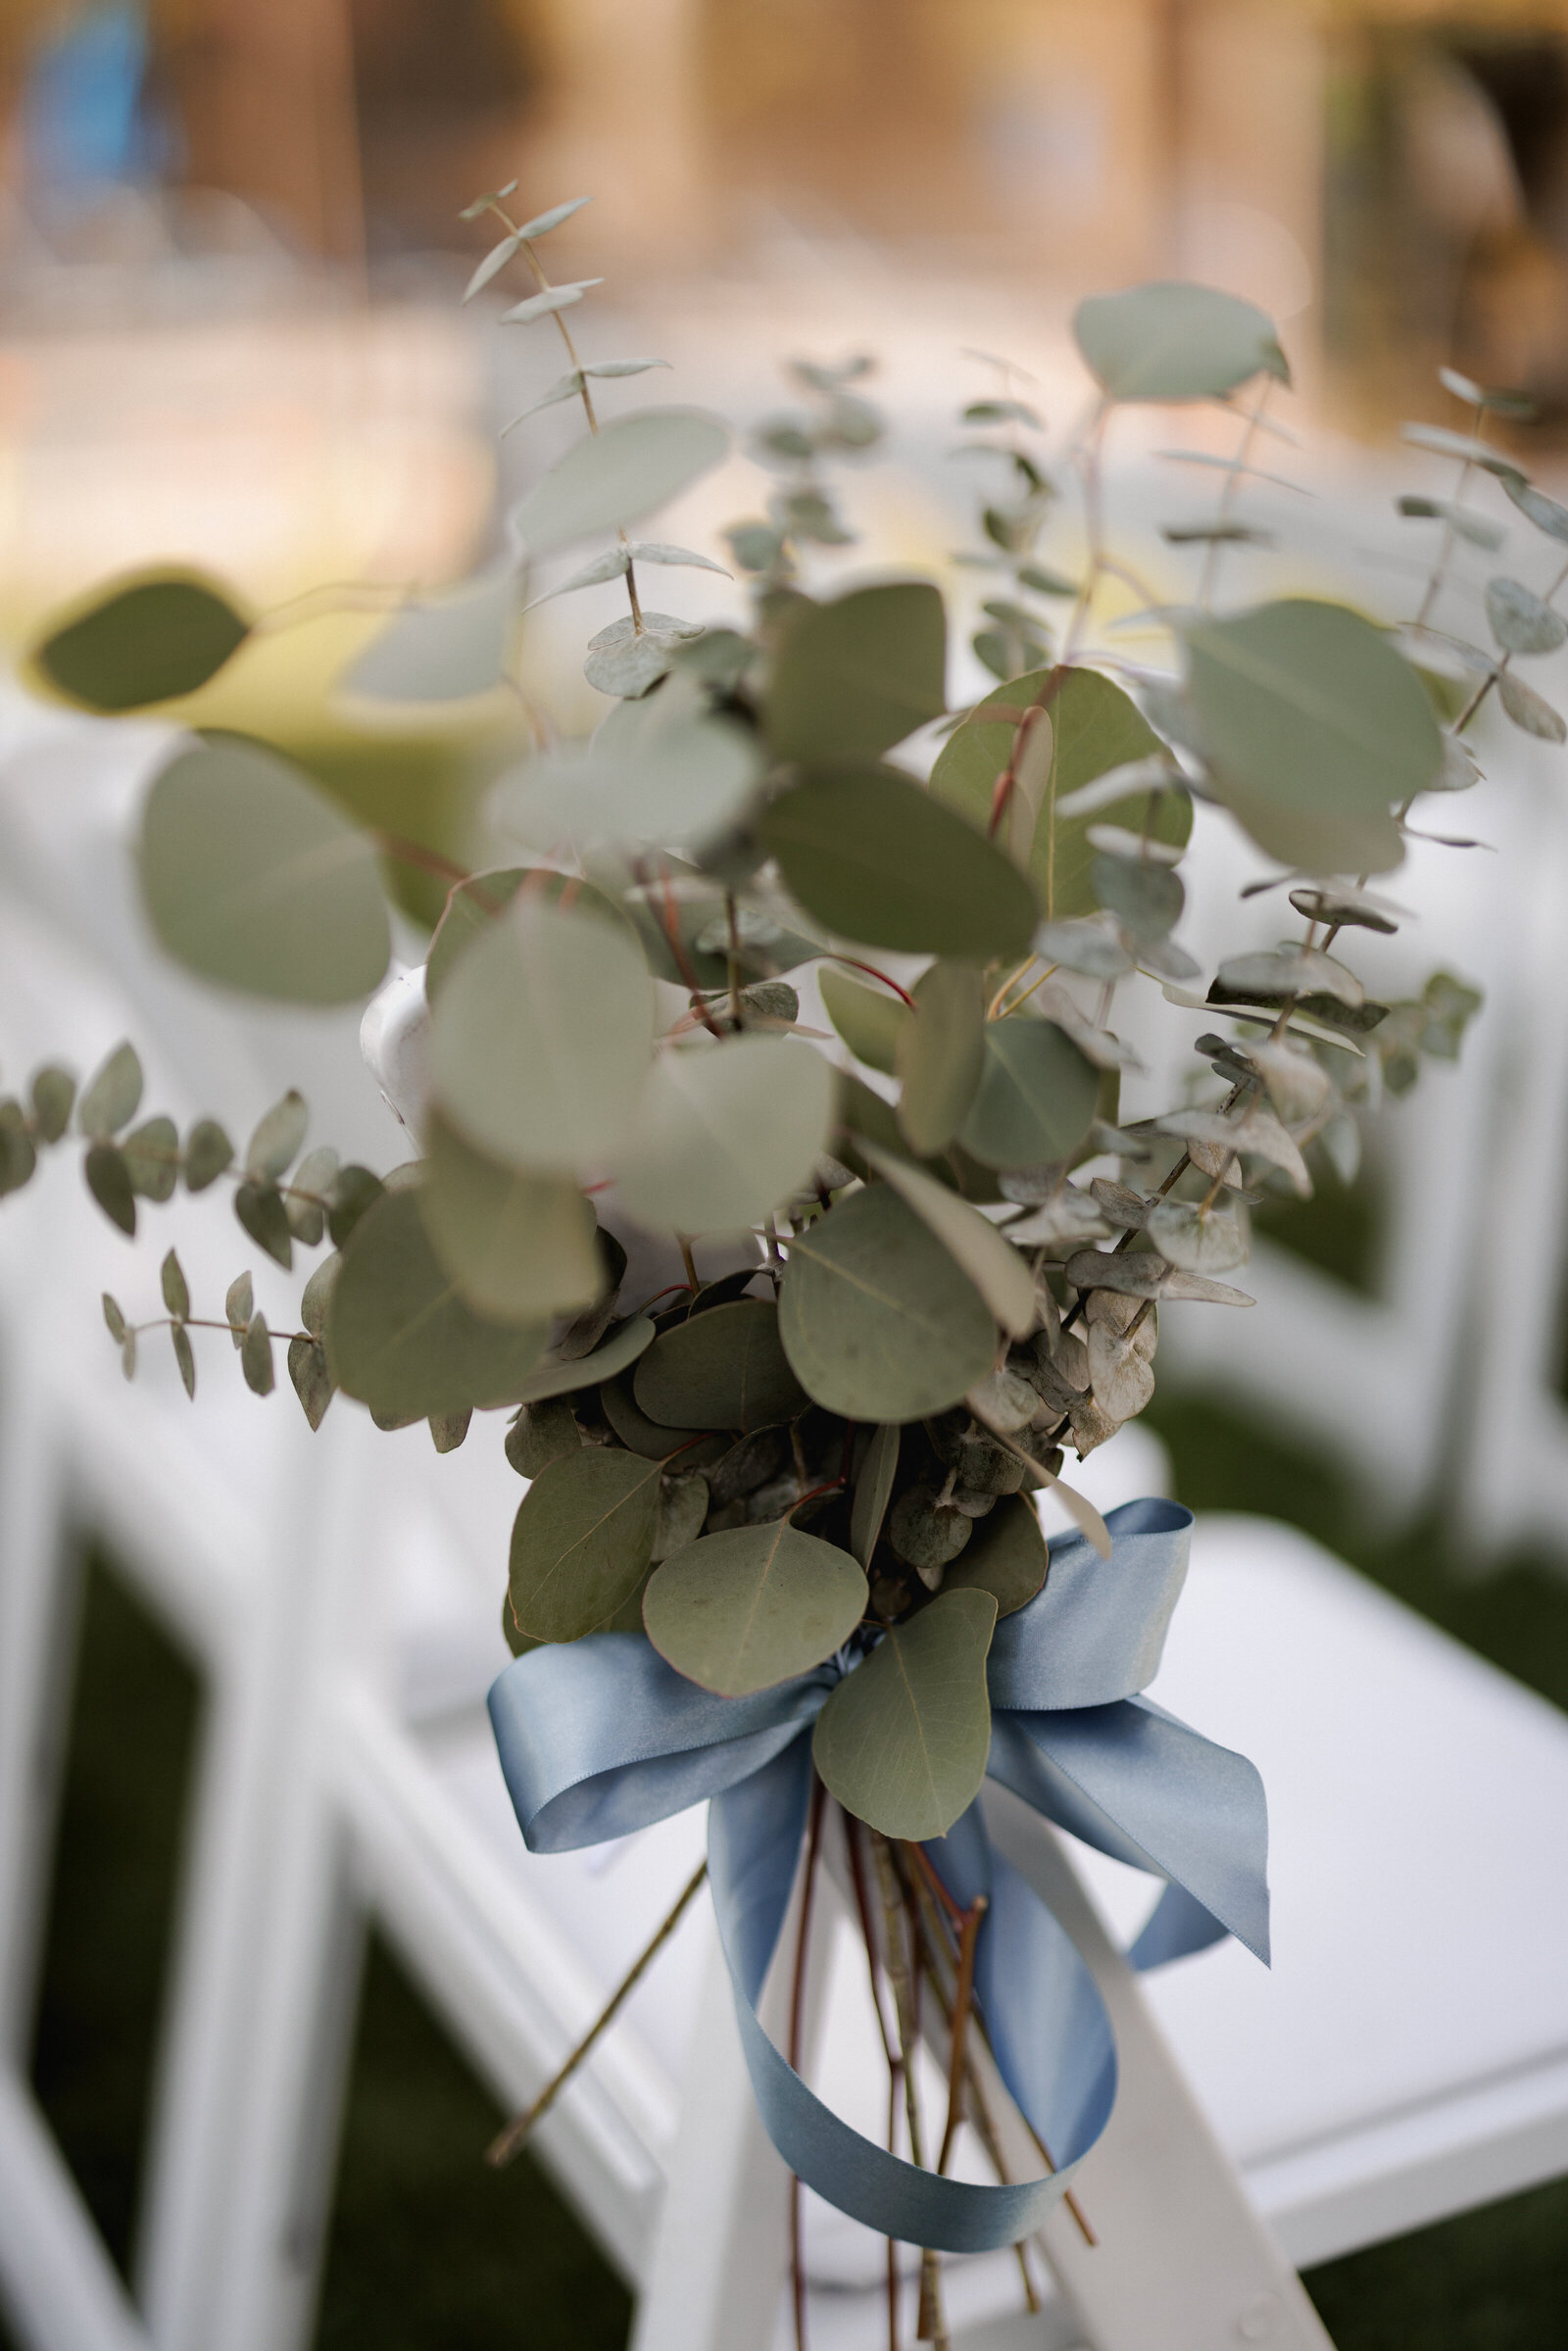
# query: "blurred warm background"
230 264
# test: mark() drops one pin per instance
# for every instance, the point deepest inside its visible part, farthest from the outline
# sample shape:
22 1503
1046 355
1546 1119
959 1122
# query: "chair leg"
720 2252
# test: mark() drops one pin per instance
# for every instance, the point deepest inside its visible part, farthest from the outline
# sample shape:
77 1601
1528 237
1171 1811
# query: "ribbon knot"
598 1737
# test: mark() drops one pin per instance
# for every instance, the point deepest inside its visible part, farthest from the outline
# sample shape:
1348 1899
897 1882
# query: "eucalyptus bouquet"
789 1322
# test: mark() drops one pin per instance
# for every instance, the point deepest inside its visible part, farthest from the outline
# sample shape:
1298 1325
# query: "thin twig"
510 2141
901 1975
962 2002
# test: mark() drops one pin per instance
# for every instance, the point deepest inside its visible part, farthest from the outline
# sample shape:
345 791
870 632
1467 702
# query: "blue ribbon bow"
600 1736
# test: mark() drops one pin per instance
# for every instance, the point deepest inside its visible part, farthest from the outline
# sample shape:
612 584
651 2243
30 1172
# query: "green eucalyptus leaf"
278 1138
1547 513
209 1153
541 1434
176 1289
317 1295
877 1319
239 1305
114 1319
184 1357
994 1267
518 1246
723 1369
581 1539
902 1741
354 1189
152 1158
448 1429
252 877
110 1098
654 1440
146 641
305 1200
540 1040
261 1212
875 858
312 1379
1530 710
868 1019
398 1336
611 479
725 1132
445 650
660 771
1096 728
1036 1099
753 1606
628 659
19 1157
941 1052
1146 897
615 1355
53 1094
256 1356
1314 727
108 1182
852 677
1006 1557
472 906
873 1489
1175 341
548 301
1521 622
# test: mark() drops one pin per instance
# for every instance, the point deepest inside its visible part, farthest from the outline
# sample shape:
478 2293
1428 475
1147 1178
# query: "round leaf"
1006 1557
941 1054
443 651
725 1132
877 1320
541 1035
615 1354
868 1019
660 771
1175 341
741 1610
876 859
902 1741
1036 1099
518 1246
617 475
1313 727
723 1369
854 676
1520 620
252 877
992 1263
146 642
1095 728
399 1338
1529 709
582 1537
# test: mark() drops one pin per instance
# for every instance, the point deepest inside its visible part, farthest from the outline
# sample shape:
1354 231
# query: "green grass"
430 2250
110 1914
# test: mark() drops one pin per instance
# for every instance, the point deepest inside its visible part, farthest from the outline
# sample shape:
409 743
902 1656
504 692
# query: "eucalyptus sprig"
774 1173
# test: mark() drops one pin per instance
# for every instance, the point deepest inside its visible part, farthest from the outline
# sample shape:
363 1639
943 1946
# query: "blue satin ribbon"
598 1737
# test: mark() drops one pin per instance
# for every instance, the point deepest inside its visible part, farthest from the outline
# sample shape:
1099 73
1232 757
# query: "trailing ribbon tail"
1040 2004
